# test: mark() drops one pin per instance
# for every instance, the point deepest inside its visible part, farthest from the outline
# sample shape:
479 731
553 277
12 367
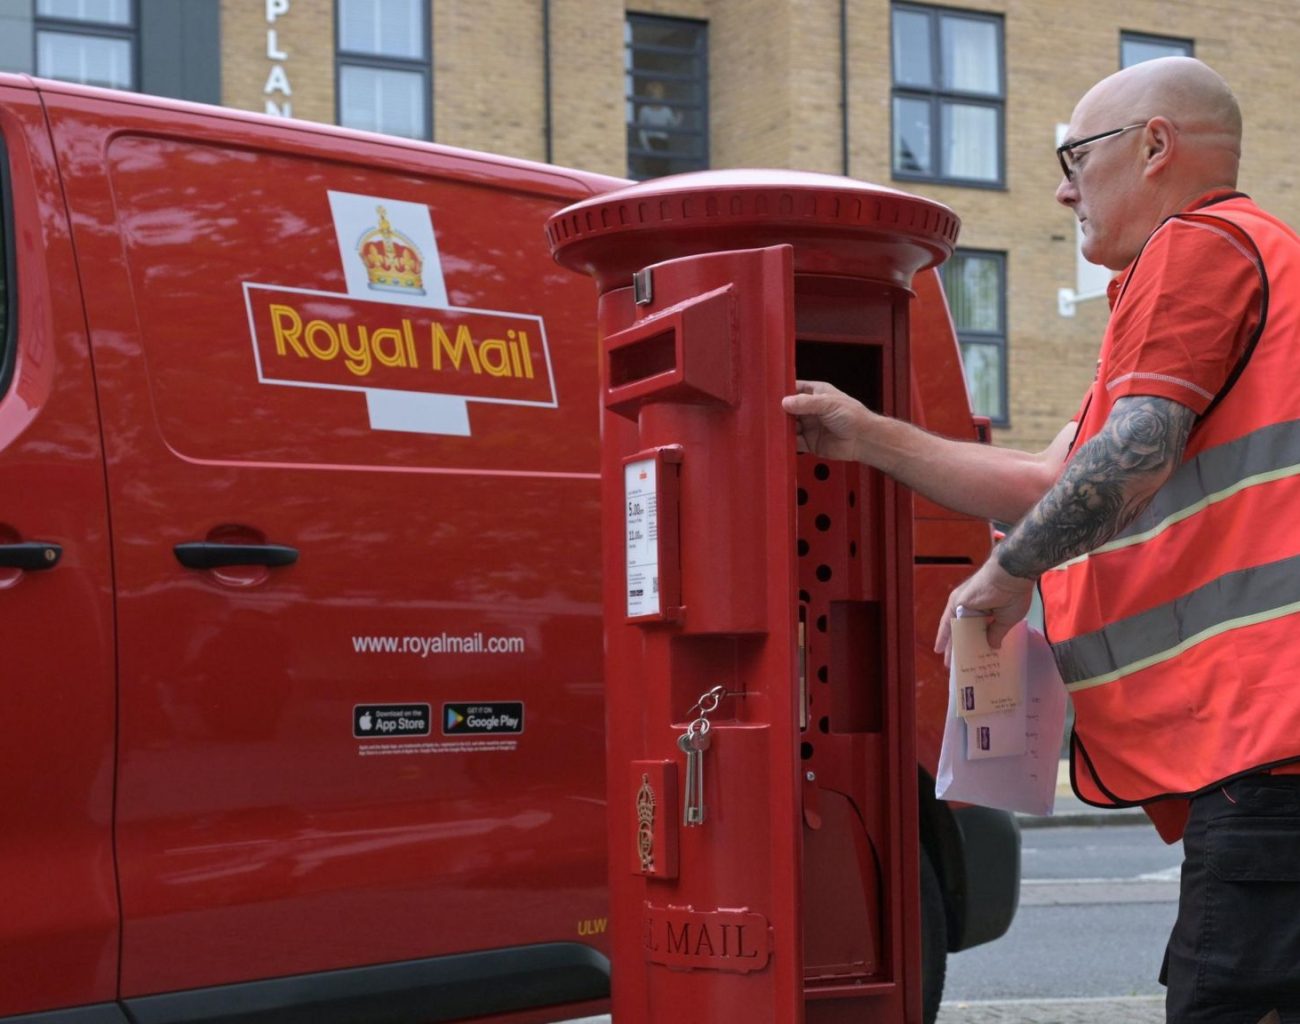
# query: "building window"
948 95
976 286
1134 48
88 41
667 88
384 78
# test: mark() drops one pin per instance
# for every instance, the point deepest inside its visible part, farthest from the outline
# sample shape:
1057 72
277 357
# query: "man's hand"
992 591
827 421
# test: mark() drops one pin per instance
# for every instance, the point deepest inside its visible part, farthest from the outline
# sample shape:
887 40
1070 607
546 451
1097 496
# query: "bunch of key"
693 743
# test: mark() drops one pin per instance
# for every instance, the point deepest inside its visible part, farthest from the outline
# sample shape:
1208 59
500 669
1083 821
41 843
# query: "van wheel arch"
965 844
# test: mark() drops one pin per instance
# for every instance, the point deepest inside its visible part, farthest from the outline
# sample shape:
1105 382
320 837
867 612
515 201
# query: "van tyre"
934 941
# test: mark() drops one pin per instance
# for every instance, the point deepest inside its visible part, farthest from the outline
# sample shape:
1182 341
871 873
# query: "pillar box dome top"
837 225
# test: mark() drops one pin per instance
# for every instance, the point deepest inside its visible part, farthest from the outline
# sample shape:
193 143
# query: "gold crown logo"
645 824
393 262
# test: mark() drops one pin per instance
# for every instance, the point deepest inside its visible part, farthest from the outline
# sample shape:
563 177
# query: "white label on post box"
642 538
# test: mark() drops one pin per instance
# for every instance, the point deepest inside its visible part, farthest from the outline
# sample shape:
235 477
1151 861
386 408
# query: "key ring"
709 701
698 727
712 698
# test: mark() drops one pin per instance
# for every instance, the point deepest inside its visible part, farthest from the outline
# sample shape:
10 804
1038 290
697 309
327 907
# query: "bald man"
1160 524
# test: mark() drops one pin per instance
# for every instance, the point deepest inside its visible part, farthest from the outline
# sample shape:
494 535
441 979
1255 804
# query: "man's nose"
1067 192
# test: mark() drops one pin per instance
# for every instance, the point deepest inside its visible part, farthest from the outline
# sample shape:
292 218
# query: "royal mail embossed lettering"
714 940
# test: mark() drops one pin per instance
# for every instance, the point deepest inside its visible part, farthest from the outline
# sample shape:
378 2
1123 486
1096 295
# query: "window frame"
937 95
1125 36
128 33
377 62
999 339
630 78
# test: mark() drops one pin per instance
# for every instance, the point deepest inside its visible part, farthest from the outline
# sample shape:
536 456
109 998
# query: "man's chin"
1095 253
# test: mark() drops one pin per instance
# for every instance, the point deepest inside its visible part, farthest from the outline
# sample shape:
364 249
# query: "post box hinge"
643 289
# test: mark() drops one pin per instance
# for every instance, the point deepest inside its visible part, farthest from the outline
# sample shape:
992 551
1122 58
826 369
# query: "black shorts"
1234 954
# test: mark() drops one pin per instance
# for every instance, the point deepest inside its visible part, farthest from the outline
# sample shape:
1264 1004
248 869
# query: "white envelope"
1024 782
994 733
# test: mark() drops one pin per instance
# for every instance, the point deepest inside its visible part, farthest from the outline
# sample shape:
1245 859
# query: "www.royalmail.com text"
443 643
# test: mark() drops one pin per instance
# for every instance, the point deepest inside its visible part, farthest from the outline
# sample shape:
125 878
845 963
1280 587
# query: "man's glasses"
1065 153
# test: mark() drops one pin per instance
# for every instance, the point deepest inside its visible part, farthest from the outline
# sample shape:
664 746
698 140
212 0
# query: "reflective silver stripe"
1233 601
1216 474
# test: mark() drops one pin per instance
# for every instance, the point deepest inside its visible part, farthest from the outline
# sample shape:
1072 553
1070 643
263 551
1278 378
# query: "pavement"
1126 1010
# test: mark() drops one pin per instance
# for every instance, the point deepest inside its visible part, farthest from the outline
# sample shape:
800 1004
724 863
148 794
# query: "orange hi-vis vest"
1179 639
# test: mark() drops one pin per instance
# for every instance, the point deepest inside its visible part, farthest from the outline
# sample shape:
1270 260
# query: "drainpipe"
546 76
844 87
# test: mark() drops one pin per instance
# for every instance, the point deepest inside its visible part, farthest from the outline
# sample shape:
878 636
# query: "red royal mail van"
299 579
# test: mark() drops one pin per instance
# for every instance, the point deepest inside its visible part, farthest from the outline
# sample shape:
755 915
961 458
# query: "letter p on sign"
275 8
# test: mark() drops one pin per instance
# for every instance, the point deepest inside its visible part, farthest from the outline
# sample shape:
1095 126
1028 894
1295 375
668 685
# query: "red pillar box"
780 881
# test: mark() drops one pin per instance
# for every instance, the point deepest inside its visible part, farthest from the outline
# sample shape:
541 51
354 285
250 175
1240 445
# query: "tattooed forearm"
1106 486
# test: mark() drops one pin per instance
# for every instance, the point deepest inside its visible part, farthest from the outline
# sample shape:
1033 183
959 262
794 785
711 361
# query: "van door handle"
202 555
30 555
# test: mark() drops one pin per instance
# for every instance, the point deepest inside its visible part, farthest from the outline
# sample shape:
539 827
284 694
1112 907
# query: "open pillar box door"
758 608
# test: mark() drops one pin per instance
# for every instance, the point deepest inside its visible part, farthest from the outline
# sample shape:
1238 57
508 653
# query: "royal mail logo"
317 339
393 335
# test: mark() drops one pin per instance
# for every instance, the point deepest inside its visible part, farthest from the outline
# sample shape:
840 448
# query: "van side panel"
58 901
948 546
392 748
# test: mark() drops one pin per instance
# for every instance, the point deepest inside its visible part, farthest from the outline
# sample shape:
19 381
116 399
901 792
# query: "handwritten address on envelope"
986 681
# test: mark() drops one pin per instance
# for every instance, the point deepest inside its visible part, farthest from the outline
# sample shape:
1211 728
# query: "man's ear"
1159 141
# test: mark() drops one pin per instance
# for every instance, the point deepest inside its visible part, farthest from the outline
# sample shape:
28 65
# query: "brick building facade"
883 90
